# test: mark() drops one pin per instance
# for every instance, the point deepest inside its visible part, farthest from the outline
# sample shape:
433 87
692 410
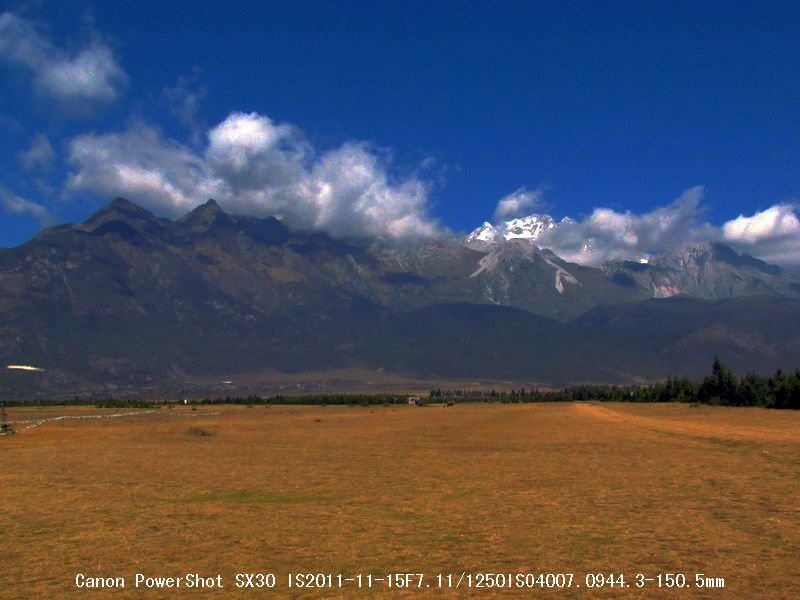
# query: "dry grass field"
560 488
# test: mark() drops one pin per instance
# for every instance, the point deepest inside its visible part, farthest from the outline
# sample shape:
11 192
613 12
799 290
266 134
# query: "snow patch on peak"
524 228
485 233
529 228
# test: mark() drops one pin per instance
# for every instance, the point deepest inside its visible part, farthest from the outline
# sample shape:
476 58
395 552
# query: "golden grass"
479 488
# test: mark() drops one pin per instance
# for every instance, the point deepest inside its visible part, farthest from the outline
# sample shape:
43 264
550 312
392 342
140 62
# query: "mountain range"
130 299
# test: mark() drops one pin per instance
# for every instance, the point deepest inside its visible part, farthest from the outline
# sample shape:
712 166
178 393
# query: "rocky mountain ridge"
131 298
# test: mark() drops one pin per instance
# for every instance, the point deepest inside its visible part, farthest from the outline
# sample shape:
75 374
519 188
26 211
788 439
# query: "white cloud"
139 162
91 75
245 144
772 234
253 165
20 206
776 222
40 155
517 203
353 195
608 234
242 135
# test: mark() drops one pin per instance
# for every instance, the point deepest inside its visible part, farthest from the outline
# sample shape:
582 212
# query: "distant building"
415 401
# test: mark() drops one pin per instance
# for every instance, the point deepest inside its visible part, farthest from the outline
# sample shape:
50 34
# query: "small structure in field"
5 426
415 401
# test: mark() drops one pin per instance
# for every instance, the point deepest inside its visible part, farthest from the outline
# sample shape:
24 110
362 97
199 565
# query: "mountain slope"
125 294
130 299
709 271
642 341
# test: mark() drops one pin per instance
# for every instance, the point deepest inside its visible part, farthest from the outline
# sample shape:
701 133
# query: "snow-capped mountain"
485 233
527 228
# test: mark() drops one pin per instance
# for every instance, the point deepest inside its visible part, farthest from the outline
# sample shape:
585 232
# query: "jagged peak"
212 204
205 215
120 207
209 207
485 233
727 254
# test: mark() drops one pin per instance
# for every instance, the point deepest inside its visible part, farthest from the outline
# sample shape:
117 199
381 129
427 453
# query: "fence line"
34 423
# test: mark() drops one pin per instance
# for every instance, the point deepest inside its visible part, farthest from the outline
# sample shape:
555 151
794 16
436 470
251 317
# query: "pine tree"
754 390
727 384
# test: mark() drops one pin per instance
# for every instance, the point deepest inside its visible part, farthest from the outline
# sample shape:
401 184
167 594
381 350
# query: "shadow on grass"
198 432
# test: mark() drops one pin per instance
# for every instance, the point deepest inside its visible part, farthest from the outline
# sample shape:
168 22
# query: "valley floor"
549 488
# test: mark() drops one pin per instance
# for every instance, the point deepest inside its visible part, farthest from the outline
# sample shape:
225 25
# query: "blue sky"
447 108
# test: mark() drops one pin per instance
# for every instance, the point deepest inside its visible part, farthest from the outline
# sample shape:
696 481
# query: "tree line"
311 399
722 387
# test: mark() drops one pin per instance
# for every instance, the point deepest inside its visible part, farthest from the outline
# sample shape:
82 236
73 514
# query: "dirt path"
705 424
